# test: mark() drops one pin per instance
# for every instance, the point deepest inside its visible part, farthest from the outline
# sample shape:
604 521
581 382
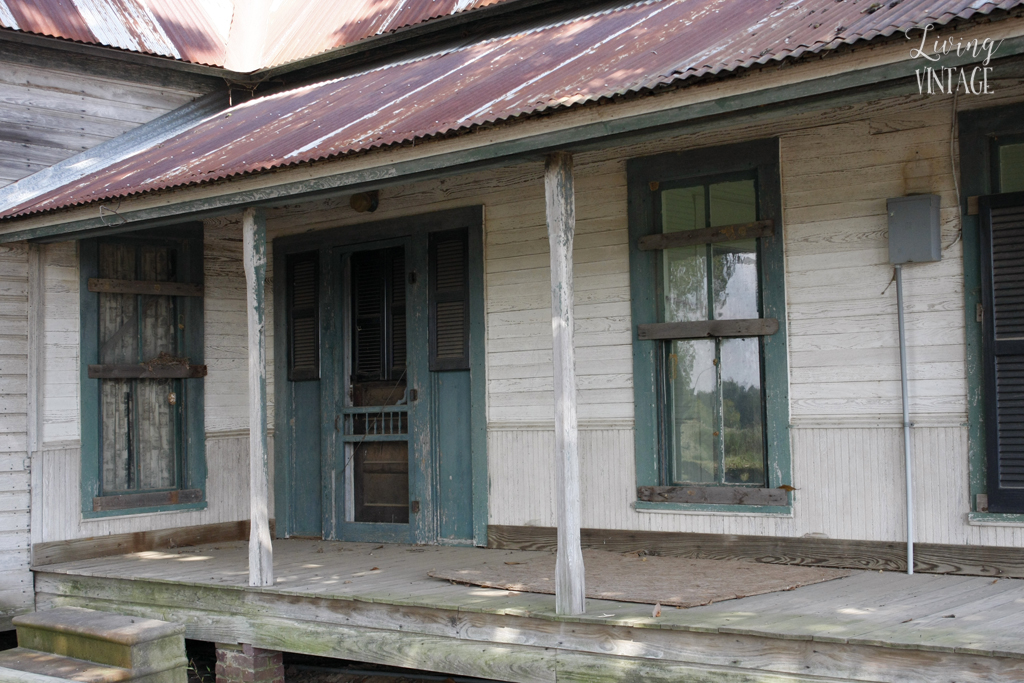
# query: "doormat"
633 577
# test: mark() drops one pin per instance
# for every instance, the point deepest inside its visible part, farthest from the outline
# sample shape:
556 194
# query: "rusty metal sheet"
197 31
190 30
625 50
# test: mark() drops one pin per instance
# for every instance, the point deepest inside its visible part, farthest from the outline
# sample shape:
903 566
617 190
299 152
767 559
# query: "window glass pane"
685 268
691 396
733 202
735 279
741 411
1011 168
683 209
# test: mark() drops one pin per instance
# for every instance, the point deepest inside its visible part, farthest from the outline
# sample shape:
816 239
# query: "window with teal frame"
992 178
709 340
142 372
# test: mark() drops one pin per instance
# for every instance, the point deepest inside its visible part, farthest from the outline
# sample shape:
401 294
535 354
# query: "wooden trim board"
153 288
55 552
701 329
143 371
725 233
713 495
129 501
932 558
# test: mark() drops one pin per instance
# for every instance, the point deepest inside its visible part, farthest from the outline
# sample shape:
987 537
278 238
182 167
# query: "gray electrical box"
914 229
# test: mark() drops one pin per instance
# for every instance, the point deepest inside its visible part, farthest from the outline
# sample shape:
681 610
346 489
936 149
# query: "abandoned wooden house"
520 339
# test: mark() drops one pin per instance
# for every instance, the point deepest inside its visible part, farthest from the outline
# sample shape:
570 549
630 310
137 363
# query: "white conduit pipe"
906 421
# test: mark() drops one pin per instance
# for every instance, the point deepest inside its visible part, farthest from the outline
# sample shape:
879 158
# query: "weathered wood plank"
699 329
151 287
141 500
570 592
718 495
822 552
724 233
213 613
254 248
57 552
141 371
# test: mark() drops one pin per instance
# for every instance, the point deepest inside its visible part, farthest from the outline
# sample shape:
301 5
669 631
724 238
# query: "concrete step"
96 646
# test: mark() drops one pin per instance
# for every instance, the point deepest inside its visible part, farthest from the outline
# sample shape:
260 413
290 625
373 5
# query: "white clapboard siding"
51 113
15 533
838 167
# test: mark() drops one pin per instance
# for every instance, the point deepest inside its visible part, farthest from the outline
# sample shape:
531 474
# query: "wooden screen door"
398 401
380 469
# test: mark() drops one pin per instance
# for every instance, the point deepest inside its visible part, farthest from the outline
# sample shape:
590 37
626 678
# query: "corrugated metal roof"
197 31
619 51
189 30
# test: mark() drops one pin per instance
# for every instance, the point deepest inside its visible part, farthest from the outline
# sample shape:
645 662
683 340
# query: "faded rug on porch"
670 581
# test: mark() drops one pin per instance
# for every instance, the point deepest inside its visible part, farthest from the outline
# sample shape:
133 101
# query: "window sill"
994 519
706 509
119 506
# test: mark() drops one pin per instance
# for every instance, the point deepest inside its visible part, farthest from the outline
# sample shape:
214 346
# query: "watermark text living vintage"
935 79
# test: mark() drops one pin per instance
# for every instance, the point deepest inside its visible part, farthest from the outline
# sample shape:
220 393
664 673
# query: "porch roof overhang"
497 125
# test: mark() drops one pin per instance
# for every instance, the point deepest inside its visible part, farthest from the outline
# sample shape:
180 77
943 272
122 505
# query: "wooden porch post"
570 593
254 245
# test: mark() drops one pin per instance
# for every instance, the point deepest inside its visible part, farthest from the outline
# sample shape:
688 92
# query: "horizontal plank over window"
129 501
724 233
701 329
139 371
715 495
152 287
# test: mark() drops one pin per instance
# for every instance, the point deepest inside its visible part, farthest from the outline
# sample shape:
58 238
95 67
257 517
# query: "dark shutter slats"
378 302
368 314
398 341
1005 348
449 300
303 317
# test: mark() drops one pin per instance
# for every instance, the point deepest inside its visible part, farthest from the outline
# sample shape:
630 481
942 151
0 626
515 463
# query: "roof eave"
821 93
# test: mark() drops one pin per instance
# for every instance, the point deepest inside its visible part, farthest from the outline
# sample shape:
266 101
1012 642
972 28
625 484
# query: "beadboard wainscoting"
849 480
227 493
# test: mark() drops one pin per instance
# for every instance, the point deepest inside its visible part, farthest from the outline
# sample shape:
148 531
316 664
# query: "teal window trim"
979 131
773 510
994 518
194 465
760 157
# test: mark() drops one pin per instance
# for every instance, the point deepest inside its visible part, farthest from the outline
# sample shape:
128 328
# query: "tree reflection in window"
713 408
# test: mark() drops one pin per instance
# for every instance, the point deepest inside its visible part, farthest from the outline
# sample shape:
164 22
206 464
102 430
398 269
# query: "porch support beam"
570 594
254 246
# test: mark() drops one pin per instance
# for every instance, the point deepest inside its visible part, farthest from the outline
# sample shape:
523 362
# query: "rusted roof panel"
598 55
302 28
197 31
189 30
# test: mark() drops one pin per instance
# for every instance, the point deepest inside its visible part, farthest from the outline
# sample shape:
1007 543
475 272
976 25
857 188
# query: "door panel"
452 404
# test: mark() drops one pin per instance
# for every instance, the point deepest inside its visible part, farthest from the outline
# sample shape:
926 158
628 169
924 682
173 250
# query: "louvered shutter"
1003 300
368 292
303 317
449 300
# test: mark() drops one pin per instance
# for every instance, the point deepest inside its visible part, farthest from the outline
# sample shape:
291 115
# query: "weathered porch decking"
375 603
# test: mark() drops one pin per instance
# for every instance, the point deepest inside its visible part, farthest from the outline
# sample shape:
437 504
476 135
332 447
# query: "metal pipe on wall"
906 420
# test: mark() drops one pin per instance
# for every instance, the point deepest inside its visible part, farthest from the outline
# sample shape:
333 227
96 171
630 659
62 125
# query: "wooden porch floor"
379 600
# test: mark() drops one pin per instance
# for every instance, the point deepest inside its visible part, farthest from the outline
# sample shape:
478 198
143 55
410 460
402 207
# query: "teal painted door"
454 454
398 466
